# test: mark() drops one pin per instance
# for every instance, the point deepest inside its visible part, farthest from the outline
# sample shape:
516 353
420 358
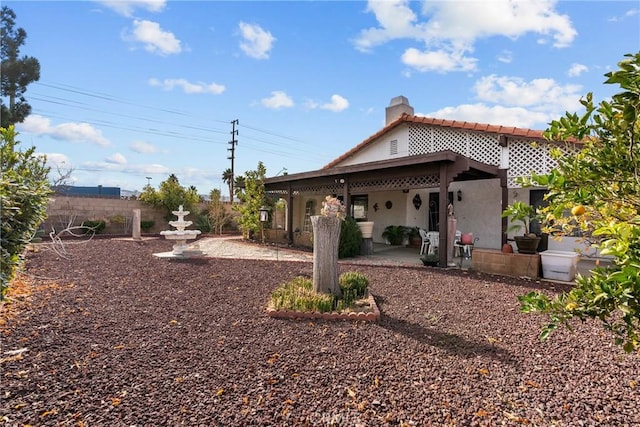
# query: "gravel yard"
115 336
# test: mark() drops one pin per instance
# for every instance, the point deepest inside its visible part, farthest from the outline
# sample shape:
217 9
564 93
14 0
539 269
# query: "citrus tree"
170 196
597 192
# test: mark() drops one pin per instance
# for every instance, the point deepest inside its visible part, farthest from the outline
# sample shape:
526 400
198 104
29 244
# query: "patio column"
502 173
345 195
443 201
289 213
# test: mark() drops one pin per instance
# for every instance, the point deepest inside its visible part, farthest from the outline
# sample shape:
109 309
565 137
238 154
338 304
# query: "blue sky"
130 90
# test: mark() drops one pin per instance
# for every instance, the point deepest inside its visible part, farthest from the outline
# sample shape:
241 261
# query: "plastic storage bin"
559 265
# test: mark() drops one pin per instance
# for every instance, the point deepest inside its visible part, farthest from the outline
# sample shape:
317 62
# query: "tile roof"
455 124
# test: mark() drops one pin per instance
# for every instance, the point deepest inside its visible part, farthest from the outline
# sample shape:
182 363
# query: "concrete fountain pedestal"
181 236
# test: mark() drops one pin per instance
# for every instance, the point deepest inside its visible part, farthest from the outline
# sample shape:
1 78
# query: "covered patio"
434 170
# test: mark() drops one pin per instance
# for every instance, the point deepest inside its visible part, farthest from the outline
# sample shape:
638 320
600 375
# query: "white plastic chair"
425 241
434 241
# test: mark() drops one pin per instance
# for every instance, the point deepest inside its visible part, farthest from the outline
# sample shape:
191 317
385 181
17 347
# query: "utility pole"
233 144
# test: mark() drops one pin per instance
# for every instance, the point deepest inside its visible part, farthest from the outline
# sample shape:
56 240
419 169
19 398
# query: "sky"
133 91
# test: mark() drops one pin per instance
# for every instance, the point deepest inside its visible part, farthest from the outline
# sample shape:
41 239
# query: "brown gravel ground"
117 337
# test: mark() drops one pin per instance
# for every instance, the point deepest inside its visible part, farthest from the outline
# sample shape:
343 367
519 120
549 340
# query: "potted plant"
520 215
395 234
414 237
430 260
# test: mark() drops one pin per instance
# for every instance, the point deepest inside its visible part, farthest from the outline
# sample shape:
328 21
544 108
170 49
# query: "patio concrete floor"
233 247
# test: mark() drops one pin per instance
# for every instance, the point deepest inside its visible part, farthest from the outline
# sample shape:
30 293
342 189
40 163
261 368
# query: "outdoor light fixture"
459 195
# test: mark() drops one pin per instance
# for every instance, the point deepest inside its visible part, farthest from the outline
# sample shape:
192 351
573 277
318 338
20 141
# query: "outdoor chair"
424 247
434 242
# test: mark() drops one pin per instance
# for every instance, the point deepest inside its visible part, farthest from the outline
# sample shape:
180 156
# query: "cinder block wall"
64 211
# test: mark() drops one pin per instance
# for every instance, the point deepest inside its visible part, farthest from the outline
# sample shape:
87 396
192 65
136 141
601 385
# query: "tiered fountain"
180 235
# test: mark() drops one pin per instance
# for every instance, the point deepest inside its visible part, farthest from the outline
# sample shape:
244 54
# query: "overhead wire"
292 153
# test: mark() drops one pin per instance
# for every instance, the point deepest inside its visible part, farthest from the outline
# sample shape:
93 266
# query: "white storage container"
559 265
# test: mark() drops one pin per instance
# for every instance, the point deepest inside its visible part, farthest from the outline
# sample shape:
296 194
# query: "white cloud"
188 87
154 38
143 147
512 101
498 115
71 132
628 13
518 92
126 7
505 56
450 29
440 61
116 158
278 100
576 69
256 42
58 160
337 104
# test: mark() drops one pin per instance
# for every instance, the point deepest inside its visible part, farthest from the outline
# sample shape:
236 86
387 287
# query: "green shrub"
146 225
24 197
395 234
298 294
350 239
354 286
97 226
202 222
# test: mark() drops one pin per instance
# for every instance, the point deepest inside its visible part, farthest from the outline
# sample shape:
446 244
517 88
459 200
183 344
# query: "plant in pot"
430 260
414 237
395 234
520 215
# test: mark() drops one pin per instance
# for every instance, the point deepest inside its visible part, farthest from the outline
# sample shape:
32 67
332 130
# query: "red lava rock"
116 336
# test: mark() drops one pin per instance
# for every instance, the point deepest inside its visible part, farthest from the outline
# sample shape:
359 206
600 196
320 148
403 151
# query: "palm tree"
227 178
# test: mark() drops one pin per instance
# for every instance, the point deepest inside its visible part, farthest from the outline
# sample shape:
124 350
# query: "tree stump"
326 241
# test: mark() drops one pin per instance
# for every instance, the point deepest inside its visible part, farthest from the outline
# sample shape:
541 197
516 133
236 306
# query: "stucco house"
409 171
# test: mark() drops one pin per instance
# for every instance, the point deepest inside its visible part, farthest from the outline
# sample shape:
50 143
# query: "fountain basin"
180 234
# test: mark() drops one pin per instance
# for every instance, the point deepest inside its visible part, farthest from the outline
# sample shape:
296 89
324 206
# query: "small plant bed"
297 299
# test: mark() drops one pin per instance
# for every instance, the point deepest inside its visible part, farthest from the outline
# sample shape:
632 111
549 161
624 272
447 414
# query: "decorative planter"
366 227
527 245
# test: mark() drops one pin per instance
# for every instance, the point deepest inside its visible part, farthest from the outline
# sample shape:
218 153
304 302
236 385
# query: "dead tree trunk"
326 240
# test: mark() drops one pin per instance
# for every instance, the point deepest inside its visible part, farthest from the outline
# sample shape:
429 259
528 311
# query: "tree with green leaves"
218 215
17 72
24 197
170 196
600 187
227 178
252 198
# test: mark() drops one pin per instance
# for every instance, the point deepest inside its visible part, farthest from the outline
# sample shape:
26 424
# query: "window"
309 211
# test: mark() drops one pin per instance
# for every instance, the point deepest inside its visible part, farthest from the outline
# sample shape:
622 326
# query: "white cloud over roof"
449 29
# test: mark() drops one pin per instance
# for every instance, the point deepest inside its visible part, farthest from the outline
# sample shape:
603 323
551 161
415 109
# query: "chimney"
397 107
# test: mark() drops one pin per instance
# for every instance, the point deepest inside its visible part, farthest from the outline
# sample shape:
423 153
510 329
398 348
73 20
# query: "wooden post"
326 241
